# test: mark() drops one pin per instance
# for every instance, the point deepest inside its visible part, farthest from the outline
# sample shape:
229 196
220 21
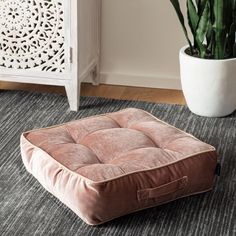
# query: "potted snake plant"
208 62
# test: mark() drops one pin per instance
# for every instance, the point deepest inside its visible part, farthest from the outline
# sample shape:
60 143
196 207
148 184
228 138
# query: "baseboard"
139 80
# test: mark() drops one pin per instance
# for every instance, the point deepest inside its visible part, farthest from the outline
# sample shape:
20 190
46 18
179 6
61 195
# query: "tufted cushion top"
125 149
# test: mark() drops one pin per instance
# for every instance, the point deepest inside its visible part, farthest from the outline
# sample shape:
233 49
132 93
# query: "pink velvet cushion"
109 165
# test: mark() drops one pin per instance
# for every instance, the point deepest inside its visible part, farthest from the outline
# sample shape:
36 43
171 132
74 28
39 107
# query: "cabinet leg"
73 95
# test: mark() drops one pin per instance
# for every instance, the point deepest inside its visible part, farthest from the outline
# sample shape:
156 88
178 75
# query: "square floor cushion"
109 165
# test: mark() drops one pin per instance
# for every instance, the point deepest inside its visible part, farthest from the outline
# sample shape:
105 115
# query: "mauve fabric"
110 165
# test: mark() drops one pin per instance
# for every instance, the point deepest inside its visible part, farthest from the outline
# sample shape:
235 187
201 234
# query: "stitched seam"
153 205
107 115
67 130
211 149
92 152
127 174
94 131
81 144
129 151
150 138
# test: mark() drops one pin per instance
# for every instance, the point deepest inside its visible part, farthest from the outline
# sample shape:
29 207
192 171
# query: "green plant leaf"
176 5
228 17
234 10
201 31
193 17
219 29
213 26
229 49
201 5
209 38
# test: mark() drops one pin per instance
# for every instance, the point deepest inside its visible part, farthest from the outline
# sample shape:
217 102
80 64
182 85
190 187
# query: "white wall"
140 43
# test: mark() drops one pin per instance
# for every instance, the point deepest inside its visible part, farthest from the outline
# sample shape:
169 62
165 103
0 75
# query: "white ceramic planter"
209 86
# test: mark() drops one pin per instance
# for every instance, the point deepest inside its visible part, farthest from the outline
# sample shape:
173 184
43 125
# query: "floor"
109 91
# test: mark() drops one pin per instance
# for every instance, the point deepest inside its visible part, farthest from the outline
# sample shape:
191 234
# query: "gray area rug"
27 209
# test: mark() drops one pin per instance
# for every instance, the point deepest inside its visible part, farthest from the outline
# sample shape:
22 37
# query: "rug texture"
27 209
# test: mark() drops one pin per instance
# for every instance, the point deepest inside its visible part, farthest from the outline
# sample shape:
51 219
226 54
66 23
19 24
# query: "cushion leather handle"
162 190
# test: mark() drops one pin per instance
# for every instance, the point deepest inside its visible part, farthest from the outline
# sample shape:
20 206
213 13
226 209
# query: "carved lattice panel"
32 35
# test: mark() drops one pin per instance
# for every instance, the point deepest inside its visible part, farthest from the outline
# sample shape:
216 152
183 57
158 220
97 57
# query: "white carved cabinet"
54 42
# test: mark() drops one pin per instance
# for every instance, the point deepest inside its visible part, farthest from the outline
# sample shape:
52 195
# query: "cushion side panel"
120 196
70 188
96 203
